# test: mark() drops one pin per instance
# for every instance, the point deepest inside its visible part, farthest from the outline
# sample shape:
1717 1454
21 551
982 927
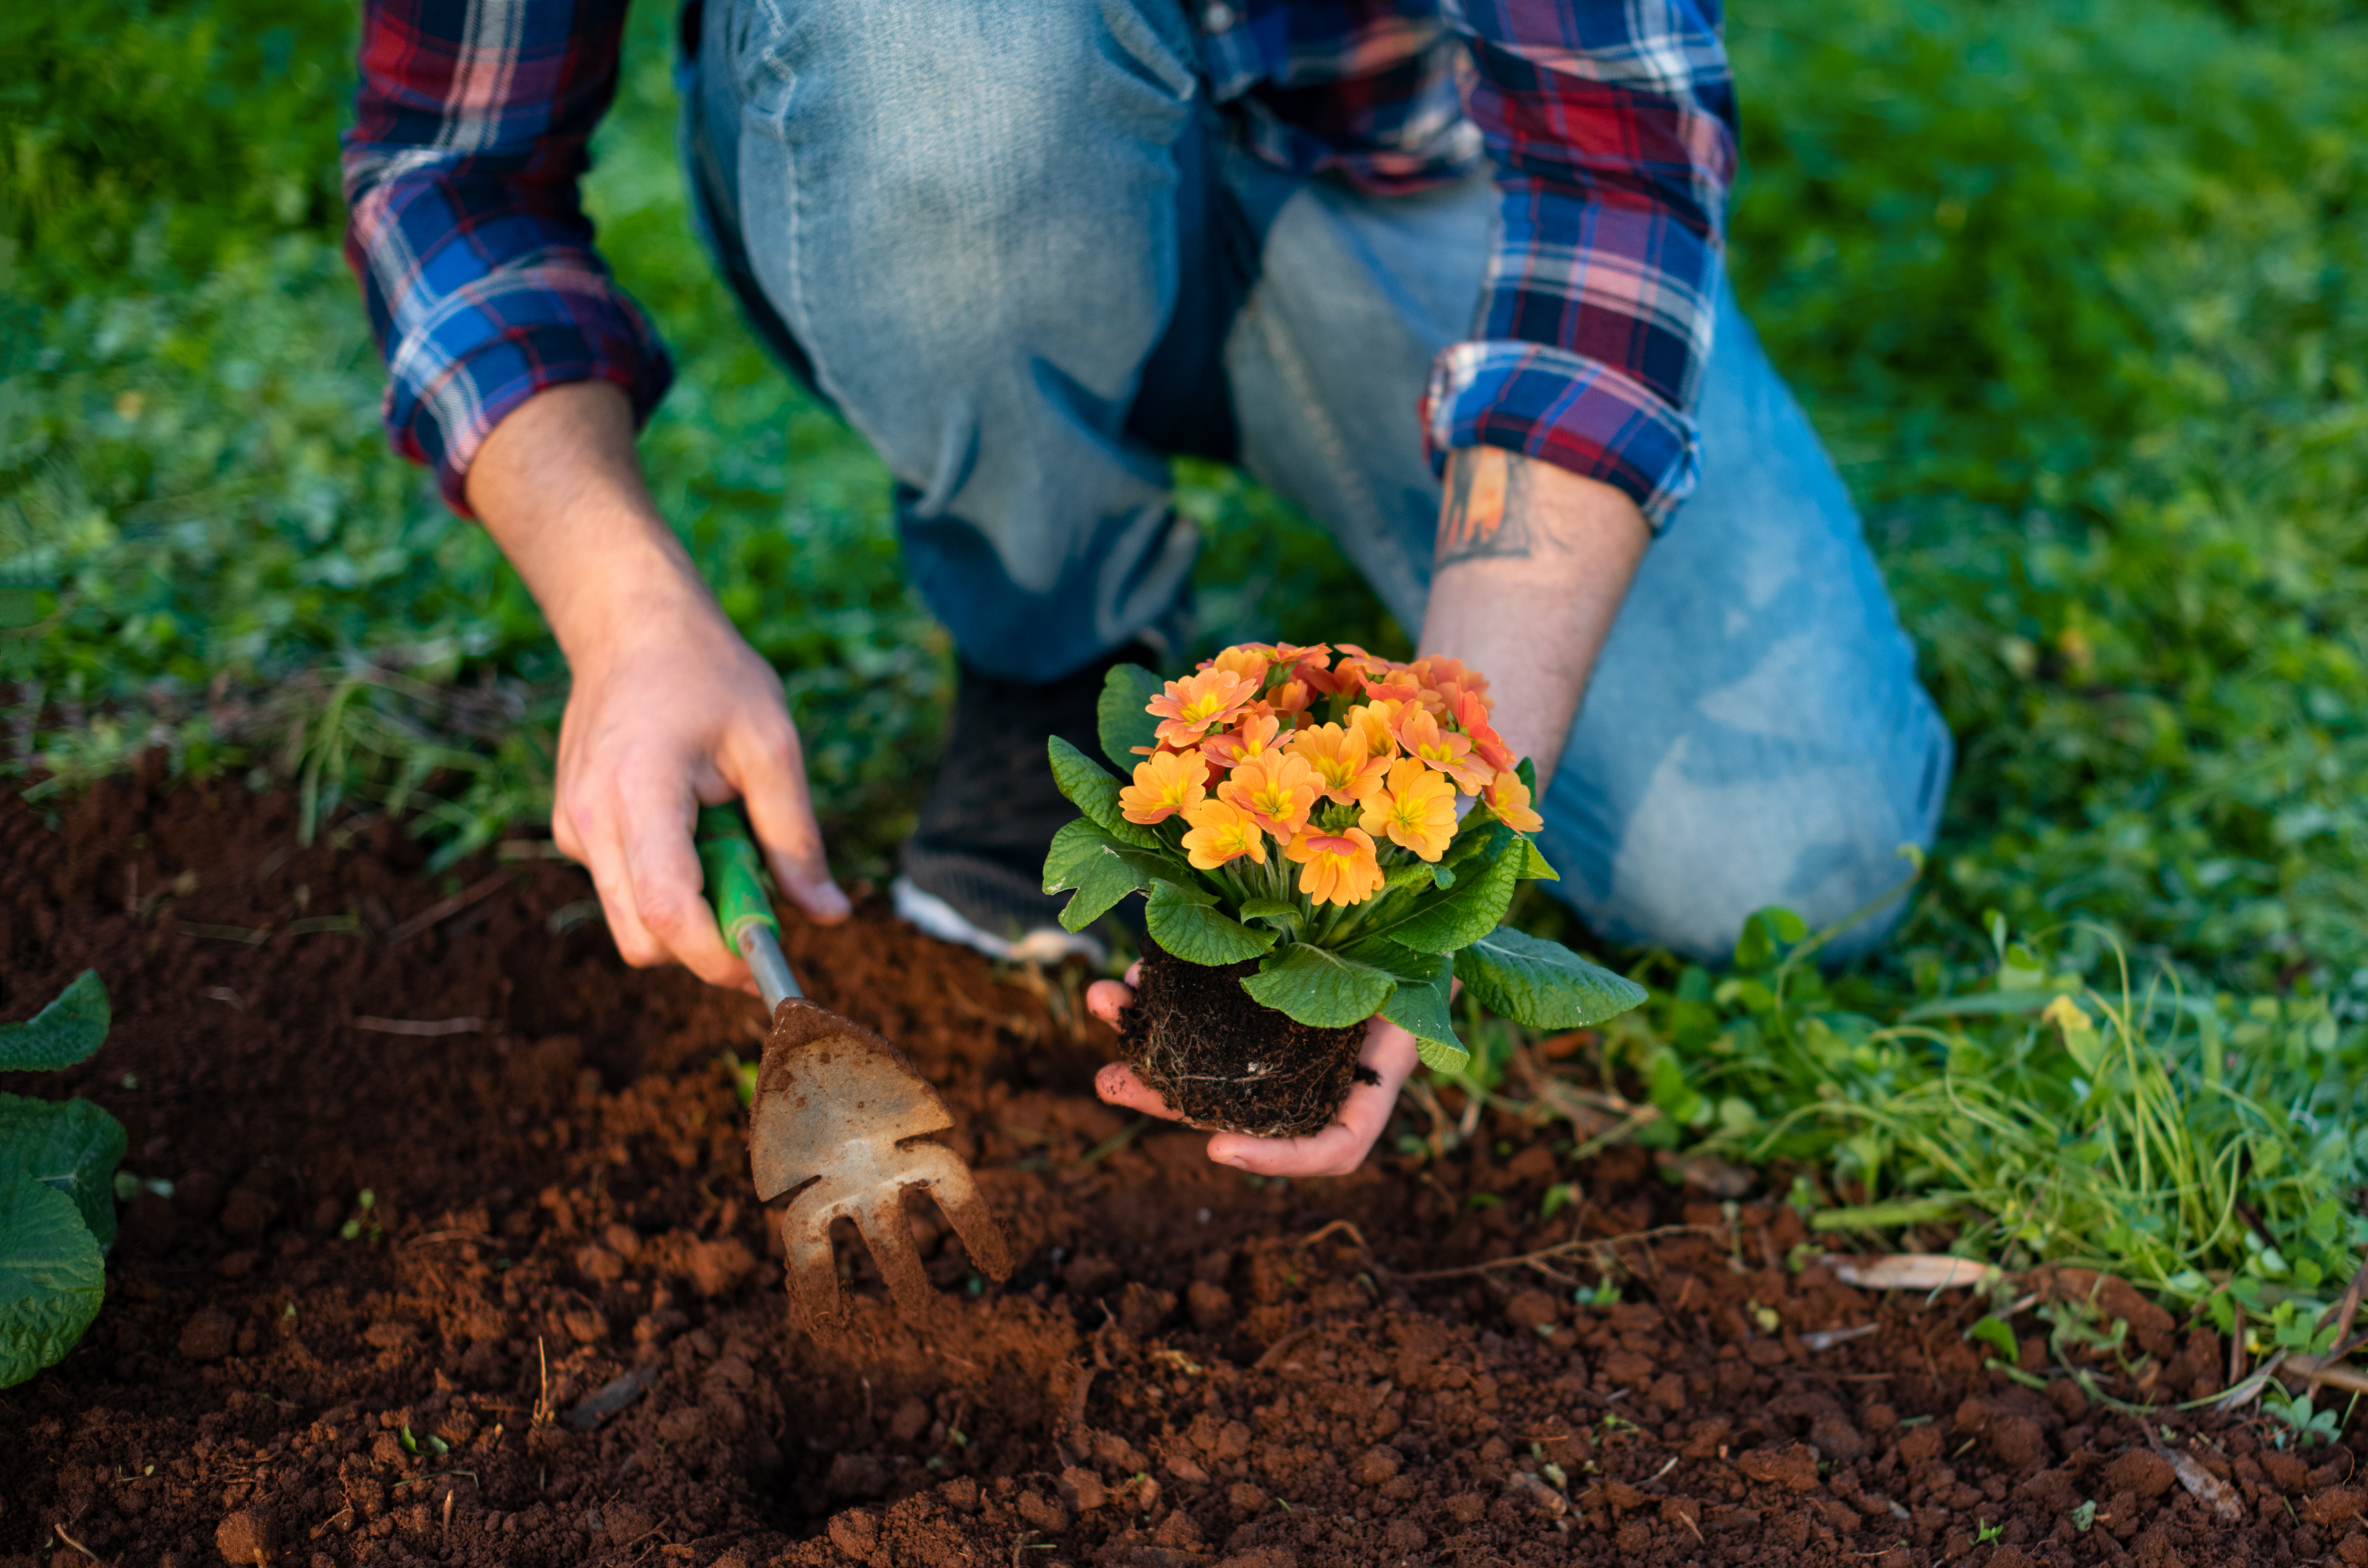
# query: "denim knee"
1712 840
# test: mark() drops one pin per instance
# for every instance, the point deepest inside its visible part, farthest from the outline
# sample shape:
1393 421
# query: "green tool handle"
735 886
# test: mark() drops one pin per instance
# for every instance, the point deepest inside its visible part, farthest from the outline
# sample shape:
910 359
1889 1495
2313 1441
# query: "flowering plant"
1352 824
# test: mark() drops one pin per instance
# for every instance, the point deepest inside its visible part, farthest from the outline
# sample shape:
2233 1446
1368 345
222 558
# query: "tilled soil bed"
556 1333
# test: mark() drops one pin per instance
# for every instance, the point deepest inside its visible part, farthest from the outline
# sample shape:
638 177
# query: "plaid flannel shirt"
1611 124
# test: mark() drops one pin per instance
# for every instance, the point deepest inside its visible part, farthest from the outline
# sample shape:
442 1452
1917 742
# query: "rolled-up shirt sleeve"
466 230
1612 128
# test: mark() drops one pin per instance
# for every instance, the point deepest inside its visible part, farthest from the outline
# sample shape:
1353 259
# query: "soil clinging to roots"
1226 1062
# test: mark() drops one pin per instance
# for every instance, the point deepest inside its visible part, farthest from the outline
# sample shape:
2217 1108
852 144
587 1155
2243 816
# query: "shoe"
974 869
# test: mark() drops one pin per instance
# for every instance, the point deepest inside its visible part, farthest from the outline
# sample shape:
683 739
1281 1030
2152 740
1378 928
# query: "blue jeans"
1014 245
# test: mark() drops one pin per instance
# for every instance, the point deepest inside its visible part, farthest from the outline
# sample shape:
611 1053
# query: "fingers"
1104 999
663 871
1117 1085
770 773
1389 1053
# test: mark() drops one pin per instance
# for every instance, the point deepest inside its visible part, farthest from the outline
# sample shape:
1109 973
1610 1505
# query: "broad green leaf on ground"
52 1278
64 1032
1121 719
1542 984
71 1146
1183 922
1095 793
1422 1011
1467 912
1324 990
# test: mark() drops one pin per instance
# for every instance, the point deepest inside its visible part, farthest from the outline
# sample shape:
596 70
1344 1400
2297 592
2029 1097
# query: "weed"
2298 1423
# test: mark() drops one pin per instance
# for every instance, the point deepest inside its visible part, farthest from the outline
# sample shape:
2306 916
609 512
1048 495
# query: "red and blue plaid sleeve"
1612 124
472 250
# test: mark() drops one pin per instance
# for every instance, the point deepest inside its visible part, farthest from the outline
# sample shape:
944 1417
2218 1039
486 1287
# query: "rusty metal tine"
813 1270
888 1232
958 1198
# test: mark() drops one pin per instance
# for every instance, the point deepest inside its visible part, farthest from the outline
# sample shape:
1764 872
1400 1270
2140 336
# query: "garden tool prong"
841 1123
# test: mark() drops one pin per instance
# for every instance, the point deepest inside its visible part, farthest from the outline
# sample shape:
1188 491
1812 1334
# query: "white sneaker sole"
934 916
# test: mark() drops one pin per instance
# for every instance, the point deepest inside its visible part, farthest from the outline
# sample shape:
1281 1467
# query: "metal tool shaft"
774 981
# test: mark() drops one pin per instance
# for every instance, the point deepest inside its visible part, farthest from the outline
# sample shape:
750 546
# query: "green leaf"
52 1278
1322 989
1280 914
69 1146
1118 713
60 1035
1540 983
1095 793
1072 853
1090 861
1108 881
1467 912
1161 864
1534 866
1422 1011
1994 1333
1087 786
1184 922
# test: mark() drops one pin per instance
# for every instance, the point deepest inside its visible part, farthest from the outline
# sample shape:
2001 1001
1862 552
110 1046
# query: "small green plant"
2298 1422
57 1188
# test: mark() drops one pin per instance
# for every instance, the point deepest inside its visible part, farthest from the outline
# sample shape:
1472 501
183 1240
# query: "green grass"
2073 289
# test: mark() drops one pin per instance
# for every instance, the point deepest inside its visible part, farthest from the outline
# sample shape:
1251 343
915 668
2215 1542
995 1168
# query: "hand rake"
841 1121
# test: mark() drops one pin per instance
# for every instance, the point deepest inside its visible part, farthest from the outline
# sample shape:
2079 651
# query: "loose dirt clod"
1224 1062
1267 1387
249 1537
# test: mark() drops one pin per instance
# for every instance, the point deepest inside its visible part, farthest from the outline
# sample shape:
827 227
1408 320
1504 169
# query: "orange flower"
1236 745
1220 832
1453 679
1403 684
1337 868
1248 660
1416 810
1170 782
1190 707
1276 790
1510 799
1472 712
1443 749
1339 757
1290 698
1378 723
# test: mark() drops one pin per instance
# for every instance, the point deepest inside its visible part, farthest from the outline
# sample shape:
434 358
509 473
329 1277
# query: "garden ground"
2074 290
459 1264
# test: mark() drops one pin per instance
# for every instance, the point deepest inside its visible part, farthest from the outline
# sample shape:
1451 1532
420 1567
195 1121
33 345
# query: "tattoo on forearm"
1487 514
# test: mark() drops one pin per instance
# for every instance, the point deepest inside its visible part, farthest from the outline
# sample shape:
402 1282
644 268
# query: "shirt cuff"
1563 408
491 344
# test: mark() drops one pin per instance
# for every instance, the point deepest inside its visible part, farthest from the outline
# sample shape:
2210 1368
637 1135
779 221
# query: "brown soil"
1224 1060
1189 1367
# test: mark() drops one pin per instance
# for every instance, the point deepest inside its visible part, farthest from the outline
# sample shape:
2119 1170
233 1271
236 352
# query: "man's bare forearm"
559 487
1533 563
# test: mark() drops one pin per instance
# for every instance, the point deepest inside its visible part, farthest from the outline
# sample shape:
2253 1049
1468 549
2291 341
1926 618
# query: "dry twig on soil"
1560 1249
